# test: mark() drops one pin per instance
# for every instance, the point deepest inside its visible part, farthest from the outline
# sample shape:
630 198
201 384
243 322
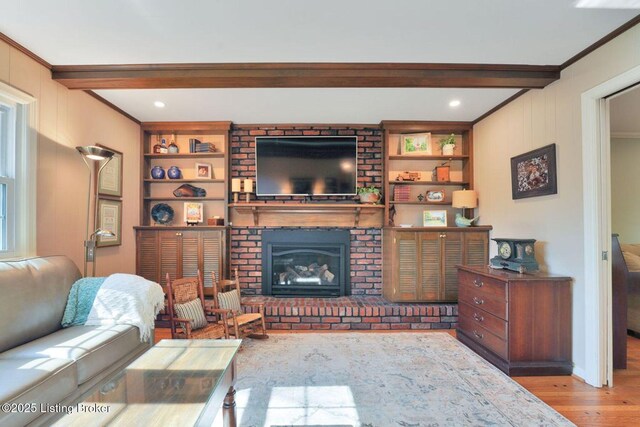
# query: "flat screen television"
306 165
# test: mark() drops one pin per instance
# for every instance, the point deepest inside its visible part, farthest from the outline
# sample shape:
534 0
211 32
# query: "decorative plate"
162 213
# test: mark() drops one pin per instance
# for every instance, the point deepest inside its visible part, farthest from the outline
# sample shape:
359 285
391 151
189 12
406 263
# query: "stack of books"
401 193
196 146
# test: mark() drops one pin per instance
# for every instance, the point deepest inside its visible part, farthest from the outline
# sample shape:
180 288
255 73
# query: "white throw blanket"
126 299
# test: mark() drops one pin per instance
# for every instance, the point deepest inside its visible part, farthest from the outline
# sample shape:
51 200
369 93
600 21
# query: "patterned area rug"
378 380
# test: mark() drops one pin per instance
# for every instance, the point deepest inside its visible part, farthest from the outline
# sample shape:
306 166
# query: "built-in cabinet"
181 252
175 248
420 263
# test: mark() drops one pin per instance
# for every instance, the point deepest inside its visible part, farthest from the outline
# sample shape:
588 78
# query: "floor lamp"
93 153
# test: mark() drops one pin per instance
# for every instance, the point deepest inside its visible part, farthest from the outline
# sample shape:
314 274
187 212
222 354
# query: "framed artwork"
193 212
110 218
434 218
110 182
415 144
204 171
435 196
534 173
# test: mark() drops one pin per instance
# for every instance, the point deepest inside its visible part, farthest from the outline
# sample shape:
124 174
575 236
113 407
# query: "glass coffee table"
176 382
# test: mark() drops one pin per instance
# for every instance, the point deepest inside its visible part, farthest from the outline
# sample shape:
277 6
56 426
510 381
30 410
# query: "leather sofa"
41 363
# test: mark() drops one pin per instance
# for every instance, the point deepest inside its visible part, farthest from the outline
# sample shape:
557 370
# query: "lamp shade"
464 199
236 184
95 153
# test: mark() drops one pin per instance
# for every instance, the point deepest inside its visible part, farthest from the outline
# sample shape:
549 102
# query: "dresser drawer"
479 317
483 337
484 286
478 299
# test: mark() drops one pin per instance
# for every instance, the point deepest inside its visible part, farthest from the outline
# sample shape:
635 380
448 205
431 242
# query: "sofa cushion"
34 294
94 348
632 260
34 381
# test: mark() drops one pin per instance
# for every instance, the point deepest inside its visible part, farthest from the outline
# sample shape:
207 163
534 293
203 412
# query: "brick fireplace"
362 305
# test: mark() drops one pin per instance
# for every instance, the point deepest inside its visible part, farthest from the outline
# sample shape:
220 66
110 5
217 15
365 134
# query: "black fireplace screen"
305 263
305 267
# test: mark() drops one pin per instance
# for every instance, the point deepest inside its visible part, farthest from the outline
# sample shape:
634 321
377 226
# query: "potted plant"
369 194
448 144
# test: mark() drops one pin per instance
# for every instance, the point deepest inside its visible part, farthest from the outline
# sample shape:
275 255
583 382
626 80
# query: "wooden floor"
589 406
584 405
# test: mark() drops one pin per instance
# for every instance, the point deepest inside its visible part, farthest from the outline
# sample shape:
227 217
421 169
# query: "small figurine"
420 197
409 176
464 222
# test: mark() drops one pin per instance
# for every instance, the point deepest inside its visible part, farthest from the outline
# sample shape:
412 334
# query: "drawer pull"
478 284
478 301
478 335
478 317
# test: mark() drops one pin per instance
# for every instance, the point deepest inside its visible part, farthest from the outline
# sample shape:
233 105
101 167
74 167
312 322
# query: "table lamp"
464 199
236 184
248 188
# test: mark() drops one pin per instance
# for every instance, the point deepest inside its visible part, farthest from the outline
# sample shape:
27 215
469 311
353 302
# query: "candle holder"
248 189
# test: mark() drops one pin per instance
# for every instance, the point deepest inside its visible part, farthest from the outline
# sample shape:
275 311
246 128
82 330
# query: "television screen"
306 165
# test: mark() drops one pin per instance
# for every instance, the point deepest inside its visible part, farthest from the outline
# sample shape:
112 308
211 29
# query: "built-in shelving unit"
460 162
155 191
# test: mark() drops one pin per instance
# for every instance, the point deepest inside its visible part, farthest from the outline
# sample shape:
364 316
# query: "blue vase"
174 172
157 172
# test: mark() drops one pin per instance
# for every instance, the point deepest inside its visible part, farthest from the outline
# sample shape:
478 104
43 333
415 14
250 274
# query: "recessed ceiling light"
455 103
159 104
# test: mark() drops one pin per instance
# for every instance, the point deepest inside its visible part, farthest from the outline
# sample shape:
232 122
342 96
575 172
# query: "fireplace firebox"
305 263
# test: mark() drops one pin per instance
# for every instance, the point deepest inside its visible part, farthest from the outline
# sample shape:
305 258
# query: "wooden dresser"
521 323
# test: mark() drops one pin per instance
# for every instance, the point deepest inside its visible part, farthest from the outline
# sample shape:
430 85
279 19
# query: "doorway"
624 124
596 146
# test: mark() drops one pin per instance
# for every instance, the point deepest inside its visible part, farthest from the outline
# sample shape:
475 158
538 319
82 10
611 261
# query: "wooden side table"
521 323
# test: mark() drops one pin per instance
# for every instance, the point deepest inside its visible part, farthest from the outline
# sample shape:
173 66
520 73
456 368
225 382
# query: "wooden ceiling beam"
299 75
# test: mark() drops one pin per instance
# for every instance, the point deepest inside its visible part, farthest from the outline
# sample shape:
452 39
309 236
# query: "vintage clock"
515 254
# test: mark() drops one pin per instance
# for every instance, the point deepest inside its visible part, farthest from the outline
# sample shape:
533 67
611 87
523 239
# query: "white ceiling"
625 113
332 105
218 31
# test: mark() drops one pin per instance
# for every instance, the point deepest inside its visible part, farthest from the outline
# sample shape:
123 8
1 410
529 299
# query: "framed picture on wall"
110 218
110 182
534 173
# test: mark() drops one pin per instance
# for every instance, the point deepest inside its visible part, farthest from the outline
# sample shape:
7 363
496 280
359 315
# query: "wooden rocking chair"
226 296
187 312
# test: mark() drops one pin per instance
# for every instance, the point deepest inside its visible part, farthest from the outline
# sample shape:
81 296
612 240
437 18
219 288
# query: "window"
17 165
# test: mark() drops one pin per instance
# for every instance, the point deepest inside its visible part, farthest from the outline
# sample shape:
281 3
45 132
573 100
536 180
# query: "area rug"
378 380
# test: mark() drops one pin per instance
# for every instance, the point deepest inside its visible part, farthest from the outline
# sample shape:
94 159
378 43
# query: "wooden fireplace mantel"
283 214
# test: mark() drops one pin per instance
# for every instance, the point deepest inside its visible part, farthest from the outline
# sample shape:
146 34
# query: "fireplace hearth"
305 263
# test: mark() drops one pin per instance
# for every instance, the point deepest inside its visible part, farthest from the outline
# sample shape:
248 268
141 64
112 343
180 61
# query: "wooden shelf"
322 209
178 227
434 183
421 203
460 229
431 157
171 181
184 155
186 199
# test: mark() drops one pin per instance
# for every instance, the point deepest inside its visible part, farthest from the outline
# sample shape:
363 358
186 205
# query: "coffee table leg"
229 408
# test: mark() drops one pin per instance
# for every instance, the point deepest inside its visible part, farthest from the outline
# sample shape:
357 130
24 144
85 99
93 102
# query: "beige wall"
538 118
66 119
625 188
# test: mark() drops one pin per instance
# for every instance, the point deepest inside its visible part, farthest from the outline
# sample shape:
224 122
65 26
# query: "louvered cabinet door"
190 243
170 255
430 266
407 260
147 255
213 250
476 248
452 252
